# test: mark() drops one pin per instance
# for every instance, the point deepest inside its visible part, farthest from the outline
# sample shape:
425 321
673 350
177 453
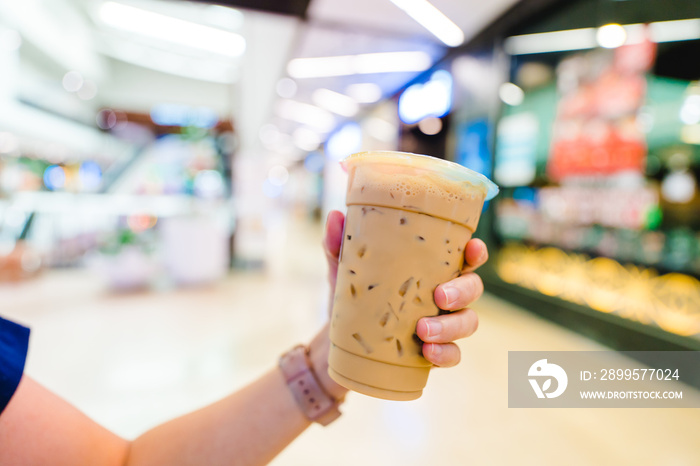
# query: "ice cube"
404 287
362 342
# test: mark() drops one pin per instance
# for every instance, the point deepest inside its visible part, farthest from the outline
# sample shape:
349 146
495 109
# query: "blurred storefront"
592 136
117 140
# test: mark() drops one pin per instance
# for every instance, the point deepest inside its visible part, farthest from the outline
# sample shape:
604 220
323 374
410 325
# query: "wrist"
319 361
316 402
318 353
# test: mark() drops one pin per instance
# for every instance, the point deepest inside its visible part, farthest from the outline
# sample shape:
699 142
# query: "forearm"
248 428
39 428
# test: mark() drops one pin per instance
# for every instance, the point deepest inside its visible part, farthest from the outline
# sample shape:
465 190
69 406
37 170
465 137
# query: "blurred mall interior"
166 168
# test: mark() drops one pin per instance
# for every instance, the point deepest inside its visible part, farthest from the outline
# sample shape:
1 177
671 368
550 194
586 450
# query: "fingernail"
433 327
451 294
437 350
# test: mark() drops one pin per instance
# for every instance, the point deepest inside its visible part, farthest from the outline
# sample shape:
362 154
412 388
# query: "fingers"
332 241
439 332
475 254
333 237
459 292
446 355
318 353
447 327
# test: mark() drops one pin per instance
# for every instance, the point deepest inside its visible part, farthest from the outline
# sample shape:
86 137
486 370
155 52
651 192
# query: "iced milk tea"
408 220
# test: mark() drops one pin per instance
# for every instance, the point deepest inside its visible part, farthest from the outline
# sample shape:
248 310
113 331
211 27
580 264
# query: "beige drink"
409 218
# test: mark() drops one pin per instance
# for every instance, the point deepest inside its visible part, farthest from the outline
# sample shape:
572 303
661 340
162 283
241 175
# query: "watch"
316 404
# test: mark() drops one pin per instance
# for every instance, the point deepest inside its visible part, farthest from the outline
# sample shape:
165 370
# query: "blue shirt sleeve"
14 342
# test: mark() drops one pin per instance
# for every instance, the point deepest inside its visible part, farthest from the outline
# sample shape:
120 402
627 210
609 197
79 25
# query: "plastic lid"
451 170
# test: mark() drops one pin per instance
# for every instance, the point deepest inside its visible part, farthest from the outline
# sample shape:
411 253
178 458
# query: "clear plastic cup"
409 217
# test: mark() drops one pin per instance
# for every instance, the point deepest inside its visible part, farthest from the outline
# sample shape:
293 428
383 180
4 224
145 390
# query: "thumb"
332 240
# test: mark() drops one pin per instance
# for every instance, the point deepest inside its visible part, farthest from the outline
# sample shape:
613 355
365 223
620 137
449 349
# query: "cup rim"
450 169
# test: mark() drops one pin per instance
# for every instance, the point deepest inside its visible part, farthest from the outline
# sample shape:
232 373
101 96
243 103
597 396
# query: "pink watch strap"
313 400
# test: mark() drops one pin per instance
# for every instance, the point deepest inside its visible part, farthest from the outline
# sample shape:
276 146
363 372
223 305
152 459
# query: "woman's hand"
439 332
319 346
332 240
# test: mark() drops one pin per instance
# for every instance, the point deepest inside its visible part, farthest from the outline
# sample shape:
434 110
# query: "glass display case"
595 144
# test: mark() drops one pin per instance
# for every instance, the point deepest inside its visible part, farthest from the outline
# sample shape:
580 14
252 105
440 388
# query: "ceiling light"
168 28
678 30
611 36
364 93
432 98
307 114
690 111
286 88
306 139
321 67
224 17
72 81
679 187
369 63
585 38
203 69
433 20
511 94
572 39
430 126
380 129
335 102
